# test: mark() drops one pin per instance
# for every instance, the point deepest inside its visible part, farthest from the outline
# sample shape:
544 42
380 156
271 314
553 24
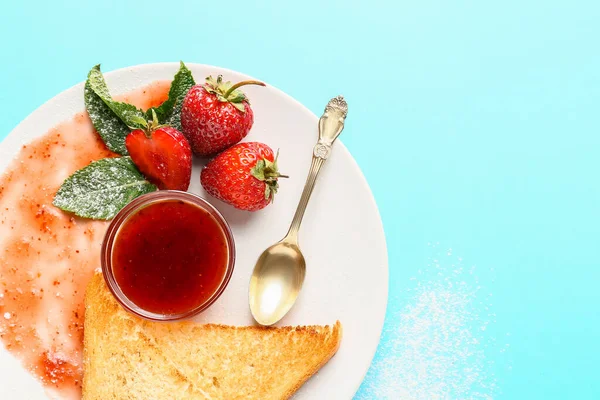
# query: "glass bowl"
112 237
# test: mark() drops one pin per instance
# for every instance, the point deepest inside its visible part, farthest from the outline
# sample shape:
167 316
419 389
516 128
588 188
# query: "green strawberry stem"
274 178
226 92
267 171
147 126
240 84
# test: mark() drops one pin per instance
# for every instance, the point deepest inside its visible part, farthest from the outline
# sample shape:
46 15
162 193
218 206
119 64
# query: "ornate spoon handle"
331 125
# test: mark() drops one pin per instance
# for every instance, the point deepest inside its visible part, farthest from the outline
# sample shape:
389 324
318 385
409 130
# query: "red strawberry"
244 176
215 115
162 154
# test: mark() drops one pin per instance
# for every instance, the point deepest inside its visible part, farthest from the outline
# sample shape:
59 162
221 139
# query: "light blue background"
476 124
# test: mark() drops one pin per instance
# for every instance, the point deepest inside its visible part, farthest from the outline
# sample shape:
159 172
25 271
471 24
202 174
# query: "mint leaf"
169 112
111 119
125 112
111 129
102 189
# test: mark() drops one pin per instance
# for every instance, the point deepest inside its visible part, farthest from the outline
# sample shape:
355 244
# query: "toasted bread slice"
126 357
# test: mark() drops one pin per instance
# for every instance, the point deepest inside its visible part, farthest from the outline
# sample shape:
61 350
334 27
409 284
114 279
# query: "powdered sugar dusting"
437 346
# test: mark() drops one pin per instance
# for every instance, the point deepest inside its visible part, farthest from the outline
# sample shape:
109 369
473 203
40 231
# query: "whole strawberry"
244 176
216 115
162 154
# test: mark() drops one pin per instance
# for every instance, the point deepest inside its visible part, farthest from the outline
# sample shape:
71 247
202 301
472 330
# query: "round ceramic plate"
341 236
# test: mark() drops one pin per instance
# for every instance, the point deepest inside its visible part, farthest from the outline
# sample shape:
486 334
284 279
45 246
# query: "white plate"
342 235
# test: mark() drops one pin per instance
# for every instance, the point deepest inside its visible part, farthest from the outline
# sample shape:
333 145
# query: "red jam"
47 257
170 257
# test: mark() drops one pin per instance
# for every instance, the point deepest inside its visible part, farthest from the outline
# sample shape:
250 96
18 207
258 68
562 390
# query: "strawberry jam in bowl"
168 255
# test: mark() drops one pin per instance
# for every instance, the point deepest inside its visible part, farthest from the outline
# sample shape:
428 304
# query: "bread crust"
173 355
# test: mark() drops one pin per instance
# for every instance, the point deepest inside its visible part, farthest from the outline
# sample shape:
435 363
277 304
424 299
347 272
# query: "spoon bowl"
276 282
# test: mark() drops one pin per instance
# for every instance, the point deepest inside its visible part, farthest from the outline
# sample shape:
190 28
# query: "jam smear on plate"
47 256
170 257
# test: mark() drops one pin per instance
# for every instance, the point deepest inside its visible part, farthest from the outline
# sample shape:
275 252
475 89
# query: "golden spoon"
279 272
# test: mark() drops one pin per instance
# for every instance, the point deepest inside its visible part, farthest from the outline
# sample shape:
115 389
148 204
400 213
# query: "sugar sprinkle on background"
437 342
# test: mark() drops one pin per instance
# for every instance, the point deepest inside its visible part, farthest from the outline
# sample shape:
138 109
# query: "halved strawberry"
162 154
